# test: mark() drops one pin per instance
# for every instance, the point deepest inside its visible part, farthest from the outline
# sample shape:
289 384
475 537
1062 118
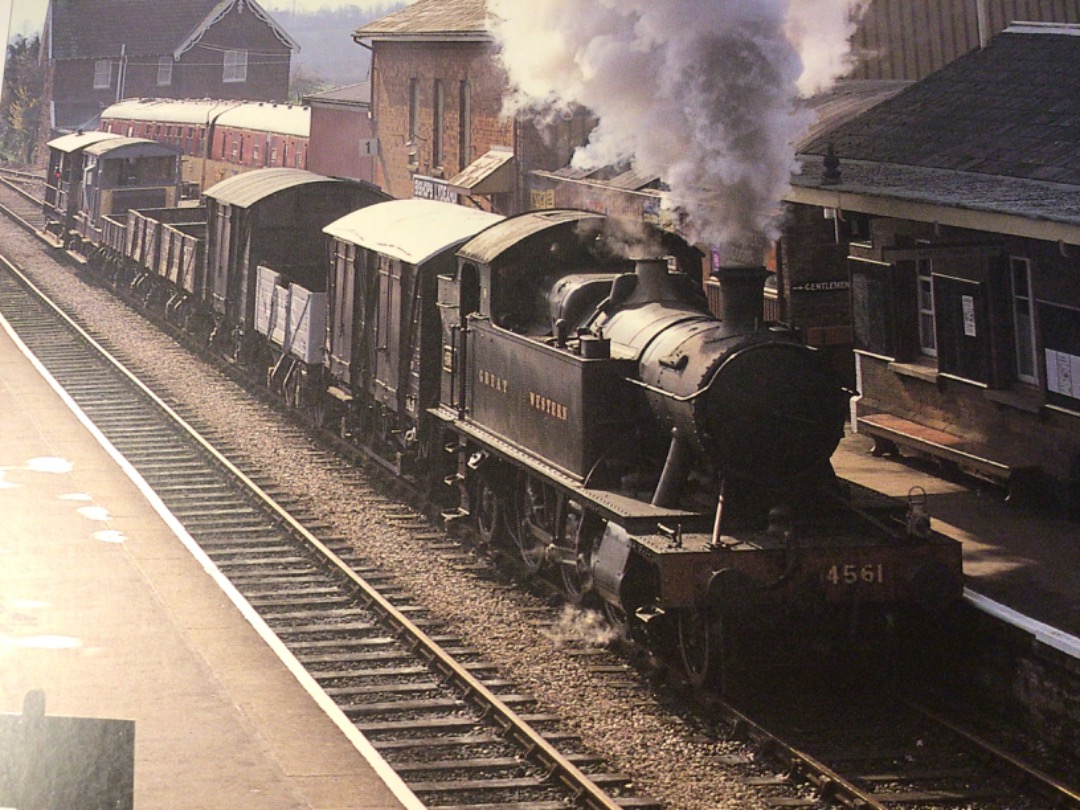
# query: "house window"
164 70
235 66
102 74
414 114
925 295
465 126
1023 312
437 125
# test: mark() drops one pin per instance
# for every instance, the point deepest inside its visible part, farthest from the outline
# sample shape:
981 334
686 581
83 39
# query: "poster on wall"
1063 374
1061 348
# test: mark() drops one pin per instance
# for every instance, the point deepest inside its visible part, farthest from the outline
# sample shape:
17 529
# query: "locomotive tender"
586 409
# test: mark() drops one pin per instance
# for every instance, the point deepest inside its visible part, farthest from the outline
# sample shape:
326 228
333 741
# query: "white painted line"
1044 633
387 774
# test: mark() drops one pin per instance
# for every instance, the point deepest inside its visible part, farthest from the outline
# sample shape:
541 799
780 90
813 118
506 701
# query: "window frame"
438 108
1027 361
235 65
465 125
164 71
413 123
924 303
101 66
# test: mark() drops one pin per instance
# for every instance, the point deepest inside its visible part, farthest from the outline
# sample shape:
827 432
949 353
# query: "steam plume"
700 92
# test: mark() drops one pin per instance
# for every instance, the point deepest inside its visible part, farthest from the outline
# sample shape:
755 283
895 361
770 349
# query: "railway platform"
1018 563
104 609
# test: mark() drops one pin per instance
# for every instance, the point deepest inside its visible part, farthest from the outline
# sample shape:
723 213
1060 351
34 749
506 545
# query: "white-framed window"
235 66
102 74
164 70
925 296
1023 313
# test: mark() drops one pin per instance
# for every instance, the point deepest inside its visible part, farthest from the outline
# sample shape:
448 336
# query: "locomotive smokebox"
742 295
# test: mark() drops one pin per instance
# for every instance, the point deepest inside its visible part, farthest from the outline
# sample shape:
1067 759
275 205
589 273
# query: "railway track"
21 198
871 752
875 750
459 735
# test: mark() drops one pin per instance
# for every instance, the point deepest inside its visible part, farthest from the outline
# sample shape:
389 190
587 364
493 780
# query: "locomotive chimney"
653 281
742 295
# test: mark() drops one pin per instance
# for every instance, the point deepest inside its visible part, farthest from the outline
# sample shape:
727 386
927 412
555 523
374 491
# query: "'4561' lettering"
870 573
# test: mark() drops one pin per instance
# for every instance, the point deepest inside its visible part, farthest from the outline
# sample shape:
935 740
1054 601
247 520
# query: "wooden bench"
1018 476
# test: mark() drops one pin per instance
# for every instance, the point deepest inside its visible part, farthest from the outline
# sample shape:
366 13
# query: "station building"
949 211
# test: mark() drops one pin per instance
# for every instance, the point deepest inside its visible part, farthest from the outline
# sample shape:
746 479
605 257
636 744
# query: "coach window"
236 63
164 70
102 74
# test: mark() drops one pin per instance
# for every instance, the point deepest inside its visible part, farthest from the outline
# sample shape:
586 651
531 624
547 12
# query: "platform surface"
1024 559
103 608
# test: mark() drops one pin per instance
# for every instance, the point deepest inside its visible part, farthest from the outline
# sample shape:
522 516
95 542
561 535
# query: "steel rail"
1053 789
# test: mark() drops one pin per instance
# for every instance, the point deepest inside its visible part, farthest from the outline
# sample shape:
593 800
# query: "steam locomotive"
585 409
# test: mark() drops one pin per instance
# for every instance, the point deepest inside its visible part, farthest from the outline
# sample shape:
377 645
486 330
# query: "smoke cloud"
702 93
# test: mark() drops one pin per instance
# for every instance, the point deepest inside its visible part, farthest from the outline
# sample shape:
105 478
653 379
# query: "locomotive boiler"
673 466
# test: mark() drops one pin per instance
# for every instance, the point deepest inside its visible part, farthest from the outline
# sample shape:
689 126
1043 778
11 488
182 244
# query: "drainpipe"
121 72
984 23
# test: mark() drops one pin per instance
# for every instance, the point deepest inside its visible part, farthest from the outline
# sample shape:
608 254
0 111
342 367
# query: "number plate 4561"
853 574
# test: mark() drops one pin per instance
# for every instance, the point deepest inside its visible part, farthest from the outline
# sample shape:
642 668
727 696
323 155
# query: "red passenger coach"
218 139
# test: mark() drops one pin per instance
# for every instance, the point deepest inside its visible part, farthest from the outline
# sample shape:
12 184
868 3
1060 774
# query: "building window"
235 66
925 295
437 125
465 126
414 115
164 70
102 74
1023 309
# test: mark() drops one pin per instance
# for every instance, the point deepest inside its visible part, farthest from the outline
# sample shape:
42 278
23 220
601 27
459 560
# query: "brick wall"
394 66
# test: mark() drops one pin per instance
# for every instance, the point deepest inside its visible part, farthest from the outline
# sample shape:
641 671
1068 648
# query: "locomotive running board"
633 514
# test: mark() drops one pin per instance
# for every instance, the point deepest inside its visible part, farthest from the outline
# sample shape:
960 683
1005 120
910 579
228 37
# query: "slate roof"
431 19
1011 109
351 95
990 142
89 29
847 99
